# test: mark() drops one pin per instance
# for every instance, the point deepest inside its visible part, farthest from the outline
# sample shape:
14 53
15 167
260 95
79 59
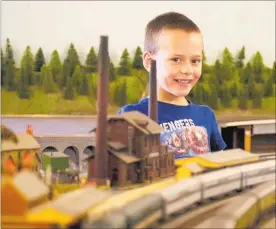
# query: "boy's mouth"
183 82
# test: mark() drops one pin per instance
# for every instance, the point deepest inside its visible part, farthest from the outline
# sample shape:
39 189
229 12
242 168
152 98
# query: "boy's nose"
186 68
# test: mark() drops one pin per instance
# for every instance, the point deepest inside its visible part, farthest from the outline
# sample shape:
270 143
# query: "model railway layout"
246 210
162 204
170 187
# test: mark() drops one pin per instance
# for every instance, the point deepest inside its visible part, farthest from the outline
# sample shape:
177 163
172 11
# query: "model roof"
25 142
29 185
228 155
125 156
139 121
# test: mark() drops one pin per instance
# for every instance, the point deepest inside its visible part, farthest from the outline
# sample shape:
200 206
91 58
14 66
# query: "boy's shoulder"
204 111
204 108
141 106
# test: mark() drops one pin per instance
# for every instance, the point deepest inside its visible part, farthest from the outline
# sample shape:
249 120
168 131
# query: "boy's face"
178 60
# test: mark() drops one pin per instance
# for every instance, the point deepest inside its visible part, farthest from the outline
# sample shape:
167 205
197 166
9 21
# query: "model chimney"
99 173
153 112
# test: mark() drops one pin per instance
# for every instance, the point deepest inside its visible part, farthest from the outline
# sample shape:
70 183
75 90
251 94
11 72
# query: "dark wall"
228 136
263 143
259 143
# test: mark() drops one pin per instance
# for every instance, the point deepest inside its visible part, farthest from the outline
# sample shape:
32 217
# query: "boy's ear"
147 60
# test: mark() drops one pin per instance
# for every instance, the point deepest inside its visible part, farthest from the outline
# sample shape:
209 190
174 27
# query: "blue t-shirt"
188 130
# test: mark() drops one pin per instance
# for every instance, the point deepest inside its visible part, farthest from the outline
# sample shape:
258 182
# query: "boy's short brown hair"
170 20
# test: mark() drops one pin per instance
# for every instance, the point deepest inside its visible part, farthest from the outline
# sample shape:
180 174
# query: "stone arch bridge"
75 146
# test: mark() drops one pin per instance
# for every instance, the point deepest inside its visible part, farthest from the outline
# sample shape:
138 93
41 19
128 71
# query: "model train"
245 210
162 204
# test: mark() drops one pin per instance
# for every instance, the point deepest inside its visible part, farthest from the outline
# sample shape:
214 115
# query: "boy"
176 43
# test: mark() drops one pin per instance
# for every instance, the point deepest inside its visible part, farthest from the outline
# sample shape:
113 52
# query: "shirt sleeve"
216 140
124 109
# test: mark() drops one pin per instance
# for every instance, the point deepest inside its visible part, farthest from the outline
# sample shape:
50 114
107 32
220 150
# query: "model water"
51 125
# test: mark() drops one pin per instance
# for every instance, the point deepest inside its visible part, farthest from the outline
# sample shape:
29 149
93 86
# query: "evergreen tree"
9 75
240 58
91 61
84 85
226 98
23 89
124 65
39 60
227 65
9 53
198 94
205 67
48 81
234 89
218 70
2 68
257 100
242 98
247 74
69 93
268 87
70 62
214 99
55 65
138 60
251 87
112 72
27 66
43 74
121 94
77 77
258 67
213 81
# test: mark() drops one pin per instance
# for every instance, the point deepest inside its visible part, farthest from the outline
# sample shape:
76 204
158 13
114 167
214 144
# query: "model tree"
9 76
55 65
124 65
91 61
39 60
138 61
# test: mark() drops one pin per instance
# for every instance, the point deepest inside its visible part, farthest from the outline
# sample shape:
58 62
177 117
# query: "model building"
128 148
19 150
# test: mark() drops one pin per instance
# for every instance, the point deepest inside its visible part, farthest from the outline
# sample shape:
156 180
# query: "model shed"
22 192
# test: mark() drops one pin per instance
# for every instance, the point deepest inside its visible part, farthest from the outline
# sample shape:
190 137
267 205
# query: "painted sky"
54 25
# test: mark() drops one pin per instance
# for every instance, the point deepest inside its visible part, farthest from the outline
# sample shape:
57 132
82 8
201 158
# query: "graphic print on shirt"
185 138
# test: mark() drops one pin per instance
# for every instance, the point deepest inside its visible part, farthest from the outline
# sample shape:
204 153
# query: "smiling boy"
176 43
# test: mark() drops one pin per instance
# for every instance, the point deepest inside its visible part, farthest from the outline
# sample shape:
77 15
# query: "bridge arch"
49 149
86 152
73 153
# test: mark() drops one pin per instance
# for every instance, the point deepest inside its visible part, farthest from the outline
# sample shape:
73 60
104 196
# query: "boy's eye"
176 60
196 61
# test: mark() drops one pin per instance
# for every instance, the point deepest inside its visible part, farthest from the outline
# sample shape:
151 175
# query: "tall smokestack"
99 174
153 111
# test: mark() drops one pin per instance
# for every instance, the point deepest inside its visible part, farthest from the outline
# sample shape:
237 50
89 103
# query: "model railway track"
161 205
263 205
245 210
268 222
190 218
267 155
